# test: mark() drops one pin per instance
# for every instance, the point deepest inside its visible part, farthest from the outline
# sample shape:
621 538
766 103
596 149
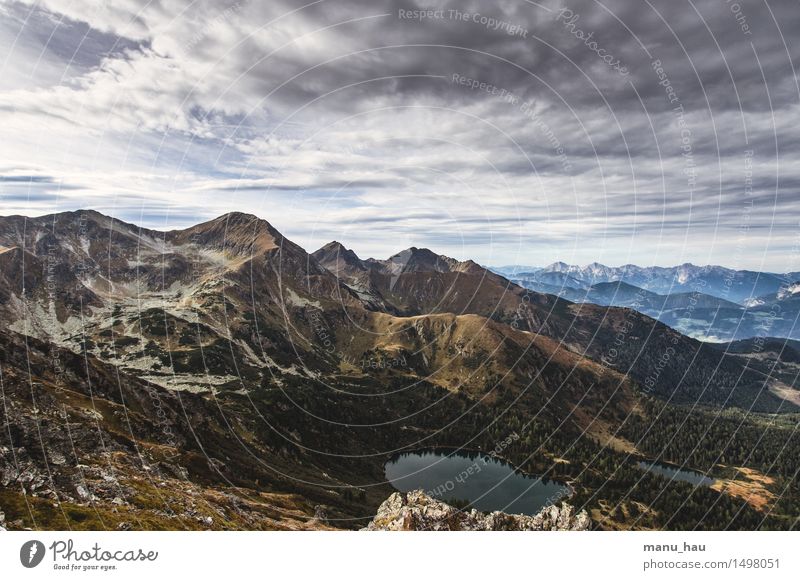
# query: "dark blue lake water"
675 473
487 483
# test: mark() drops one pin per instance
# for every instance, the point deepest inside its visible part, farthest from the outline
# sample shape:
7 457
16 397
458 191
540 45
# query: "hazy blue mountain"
698 309
733 285
513 270
740 286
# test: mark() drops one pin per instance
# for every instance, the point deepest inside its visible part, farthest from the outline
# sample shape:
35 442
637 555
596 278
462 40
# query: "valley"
708 303
221 377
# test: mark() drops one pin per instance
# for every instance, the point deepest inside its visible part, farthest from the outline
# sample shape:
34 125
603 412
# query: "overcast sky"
652 132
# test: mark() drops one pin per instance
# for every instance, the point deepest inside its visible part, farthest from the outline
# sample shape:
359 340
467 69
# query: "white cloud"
302 115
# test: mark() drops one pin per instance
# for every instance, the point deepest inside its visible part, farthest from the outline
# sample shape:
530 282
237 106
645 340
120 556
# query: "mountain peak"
239 217
561 267
235 219
66 214
415 251
335 245
415 259
335 257
235 232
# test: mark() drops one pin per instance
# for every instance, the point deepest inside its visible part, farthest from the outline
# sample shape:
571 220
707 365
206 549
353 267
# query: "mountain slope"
93 448
234 302
670 364
289 379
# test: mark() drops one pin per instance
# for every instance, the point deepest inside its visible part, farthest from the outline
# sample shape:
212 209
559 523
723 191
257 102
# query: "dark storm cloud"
670 114
709 59
74 43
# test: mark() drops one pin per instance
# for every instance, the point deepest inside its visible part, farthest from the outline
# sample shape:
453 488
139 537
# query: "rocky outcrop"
416 511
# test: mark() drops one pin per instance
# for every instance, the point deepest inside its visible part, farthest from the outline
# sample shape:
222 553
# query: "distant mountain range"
710 303
259 386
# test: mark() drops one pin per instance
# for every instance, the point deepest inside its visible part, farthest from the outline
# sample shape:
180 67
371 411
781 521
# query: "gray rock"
417 511
57 458
320 513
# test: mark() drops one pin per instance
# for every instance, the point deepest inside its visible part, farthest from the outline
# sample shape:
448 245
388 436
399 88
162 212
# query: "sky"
508 132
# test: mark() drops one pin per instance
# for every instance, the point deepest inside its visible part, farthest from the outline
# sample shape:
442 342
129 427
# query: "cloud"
336 118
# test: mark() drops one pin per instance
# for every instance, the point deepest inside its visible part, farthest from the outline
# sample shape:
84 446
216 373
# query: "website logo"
31 553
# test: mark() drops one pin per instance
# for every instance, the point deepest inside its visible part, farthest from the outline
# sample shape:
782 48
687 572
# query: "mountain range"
221 376
734 285
710 303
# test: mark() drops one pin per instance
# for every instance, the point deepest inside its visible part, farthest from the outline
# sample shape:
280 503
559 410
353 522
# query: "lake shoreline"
484 481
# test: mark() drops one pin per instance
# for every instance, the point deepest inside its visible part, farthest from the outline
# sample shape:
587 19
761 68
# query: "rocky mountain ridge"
417 511
292 376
